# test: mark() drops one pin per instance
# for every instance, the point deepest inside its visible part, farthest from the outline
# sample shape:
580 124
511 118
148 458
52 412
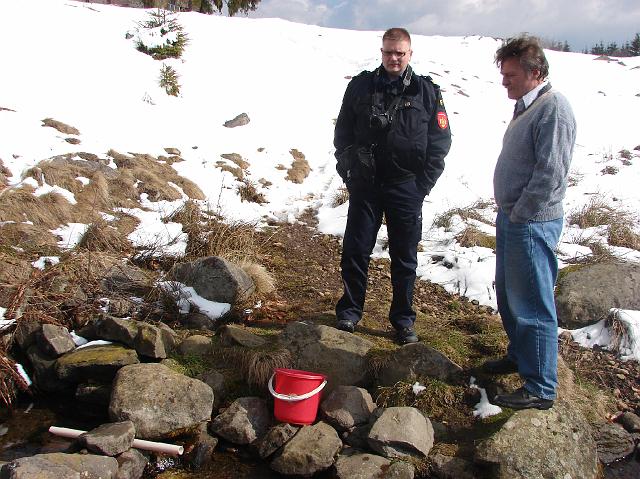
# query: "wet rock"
26 332
586 294
237 336
55 340
203 449
216 382
109 439
171 401
44 371
275 438
401 432
59 465
347 407
313 449
417 359
537 444
99 363
240 120
96 394
196 320
358 436
630 421
215 279
131 464
196 345
613 442
244 421
149 342
353 465
446 467
323 349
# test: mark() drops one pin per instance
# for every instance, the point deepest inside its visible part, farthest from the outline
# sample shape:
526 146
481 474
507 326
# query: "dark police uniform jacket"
415 143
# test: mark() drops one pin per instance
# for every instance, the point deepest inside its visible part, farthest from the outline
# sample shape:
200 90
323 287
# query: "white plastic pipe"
162 447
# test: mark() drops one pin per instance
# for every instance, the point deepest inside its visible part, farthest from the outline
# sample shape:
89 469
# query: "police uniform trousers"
401 205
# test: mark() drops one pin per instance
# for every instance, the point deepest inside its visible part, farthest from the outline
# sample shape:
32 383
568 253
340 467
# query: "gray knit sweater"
530 178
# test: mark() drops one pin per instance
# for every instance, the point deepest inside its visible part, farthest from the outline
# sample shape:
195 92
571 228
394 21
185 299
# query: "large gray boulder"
585 295
99 363
347 407
159 401
417 359
313 449
244 421
215 279
401 432
535 444
341 356
61 466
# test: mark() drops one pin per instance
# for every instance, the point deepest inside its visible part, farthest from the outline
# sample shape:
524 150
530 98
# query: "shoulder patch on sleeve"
443 120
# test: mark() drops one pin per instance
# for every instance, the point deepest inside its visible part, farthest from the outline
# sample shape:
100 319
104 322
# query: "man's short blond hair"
396 34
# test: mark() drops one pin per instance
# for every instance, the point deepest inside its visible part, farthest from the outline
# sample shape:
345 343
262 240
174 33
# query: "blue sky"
581 22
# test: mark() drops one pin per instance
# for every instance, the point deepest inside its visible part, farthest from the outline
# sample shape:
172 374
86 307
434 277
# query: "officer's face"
516 80
396 55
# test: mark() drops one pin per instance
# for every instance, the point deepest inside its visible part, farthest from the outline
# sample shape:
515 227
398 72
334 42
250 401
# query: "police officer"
391 138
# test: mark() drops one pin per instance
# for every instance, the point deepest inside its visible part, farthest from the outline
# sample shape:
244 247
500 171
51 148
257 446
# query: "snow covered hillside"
71 61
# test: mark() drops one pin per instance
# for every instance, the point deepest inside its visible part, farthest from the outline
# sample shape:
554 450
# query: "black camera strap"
378 95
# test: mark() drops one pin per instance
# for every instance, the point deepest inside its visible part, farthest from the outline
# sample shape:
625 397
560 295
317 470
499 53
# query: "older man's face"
396 55
516 80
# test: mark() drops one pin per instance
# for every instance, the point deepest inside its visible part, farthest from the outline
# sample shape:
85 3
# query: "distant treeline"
628 49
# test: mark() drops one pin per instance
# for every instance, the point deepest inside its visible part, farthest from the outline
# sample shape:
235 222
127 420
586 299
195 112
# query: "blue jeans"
526 271
401 205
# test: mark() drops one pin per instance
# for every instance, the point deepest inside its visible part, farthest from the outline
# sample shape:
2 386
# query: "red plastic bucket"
296 395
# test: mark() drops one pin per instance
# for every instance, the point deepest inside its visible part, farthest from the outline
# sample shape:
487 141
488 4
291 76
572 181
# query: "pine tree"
234 6
612 48
635 46
566 47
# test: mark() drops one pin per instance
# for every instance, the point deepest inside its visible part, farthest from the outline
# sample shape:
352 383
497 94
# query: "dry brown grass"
443 220
248 192
208 235
340 197
624 236
102 237
237 159
591 401
594 213
472 236
30 240
61 127
237 172
155 177
49 210
300 168
264 281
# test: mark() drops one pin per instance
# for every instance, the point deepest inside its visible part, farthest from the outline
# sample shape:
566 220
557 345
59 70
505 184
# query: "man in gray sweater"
529 183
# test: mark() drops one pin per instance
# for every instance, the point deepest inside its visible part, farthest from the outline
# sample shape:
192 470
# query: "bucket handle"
294 397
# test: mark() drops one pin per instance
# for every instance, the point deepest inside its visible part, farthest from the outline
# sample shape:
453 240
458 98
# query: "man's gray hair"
528 50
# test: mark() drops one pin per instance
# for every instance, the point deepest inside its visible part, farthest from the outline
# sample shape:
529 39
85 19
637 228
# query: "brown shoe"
503 365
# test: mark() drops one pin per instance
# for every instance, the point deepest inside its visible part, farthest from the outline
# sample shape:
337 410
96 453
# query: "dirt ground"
307 270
